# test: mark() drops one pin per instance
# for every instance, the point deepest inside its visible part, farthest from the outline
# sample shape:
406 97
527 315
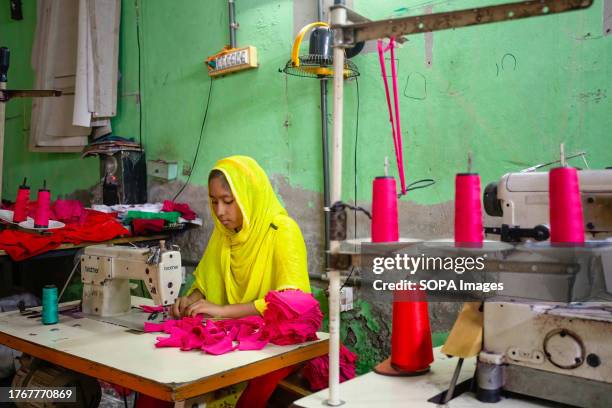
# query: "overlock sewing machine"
106 271
518 204
550 335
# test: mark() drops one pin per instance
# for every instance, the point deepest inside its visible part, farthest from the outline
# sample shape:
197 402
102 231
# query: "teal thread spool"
50 314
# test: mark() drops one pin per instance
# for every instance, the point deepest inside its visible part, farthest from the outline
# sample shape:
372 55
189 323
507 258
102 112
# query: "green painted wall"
64 173
510 115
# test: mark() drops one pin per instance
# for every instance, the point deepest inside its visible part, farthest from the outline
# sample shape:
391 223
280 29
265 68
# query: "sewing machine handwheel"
492 205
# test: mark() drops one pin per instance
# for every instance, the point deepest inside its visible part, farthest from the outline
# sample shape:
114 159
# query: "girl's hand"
181 304
204 307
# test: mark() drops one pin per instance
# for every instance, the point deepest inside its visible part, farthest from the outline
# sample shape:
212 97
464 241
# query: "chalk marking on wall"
588 36
508 63
419 91
592 96
508 55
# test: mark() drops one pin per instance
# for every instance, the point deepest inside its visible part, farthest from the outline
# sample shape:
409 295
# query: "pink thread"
21 204
42 211
395 124
398 131
566 217
385 224
468 211
383 69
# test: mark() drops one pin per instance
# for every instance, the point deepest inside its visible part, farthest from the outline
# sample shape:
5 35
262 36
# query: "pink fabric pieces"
316 371
192 333
291 317
186 212
151 309
225 345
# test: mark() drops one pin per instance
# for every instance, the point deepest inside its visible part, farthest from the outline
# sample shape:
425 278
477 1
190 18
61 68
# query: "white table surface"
131 352
374 390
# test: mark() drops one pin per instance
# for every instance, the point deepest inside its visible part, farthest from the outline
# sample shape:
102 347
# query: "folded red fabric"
144 227
97 227
21 245
186 211
316 371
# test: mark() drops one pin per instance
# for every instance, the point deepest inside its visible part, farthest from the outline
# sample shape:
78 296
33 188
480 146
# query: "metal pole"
4 66
451 389
397 27
338 16
325 144
232 23
325 148
2 110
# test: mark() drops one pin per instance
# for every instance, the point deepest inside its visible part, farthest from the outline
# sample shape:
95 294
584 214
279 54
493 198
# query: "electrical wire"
137 5
415 185
77 262
195 157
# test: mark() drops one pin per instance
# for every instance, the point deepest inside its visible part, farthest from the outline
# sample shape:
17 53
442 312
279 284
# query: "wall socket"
186 169
346 299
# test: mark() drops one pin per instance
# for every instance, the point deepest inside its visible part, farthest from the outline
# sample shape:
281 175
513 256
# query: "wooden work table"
125 240
374 390
122 356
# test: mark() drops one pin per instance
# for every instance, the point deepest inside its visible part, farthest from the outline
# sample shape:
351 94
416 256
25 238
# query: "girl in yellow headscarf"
255 246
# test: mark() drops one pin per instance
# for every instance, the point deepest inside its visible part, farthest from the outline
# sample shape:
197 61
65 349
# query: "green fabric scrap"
169 217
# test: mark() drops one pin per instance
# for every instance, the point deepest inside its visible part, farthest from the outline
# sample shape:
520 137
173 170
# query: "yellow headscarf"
268 253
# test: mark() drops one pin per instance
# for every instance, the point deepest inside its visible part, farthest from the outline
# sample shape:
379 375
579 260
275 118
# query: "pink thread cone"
566 217
468 210
385 225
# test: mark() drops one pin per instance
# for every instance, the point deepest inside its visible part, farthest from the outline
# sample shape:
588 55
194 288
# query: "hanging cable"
195 157
137 5
416 185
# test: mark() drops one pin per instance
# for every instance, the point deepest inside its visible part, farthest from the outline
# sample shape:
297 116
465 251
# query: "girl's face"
224 205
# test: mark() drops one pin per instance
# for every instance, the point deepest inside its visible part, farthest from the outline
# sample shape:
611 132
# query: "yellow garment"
268 253
465 338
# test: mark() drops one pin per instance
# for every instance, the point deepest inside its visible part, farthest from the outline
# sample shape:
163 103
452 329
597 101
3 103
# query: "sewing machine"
519 203
537 340
557 352
106 272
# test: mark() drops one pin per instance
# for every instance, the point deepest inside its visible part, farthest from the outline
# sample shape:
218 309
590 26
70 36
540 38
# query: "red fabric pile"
291 317
316 371
145 227
96 227
186 212
68 211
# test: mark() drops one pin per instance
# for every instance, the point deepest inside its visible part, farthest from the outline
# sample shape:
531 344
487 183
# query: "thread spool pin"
386 166
562 152
469 163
